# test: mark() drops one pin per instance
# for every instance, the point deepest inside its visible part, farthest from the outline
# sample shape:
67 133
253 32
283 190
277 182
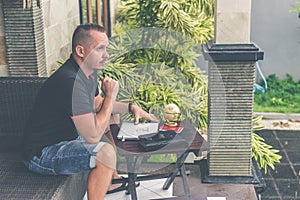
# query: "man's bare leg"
115 119
109 139
100 177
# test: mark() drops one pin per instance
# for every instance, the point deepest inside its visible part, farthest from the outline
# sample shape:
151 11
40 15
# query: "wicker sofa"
17 96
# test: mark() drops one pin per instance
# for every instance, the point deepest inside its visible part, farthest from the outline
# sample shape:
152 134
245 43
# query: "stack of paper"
130 131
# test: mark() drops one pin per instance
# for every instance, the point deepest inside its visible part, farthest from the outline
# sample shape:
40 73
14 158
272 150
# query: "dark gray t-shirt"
66 93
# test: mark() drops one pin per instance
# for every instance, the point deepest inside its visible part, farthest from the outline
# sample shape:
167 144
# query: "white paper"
129 130
216 198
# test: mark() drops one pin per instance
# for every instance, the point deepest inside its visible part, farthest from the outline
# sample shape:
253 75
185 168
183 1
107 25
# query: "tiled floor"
199 191
147 190
202 191
284 182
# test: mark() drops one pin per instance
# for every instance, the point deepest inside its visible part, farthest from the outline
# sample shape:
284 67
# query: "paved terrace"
284 182
153 189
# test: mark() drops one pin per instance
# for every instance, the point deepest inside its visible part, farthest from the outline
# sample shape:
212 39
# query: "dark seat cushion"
16 100
17 97
18 183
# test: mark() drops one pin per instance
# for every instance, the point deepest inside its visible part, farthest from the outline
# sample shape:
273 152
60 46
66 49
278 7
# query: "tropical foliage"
296 8
262 152
158 43
194 18
282 95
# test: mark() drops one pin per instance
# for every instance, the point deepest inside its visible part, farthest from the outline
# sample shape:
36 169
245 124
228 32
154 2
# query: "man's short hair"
81 34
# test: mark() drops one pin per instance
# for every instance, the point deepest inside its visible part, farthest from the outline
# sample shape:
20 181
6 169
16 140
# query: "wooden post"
99 11
89 11
106 13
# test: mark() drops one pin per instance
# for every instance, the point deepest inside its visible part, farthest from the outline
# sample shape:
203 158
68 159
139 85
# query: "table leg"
185 182
178 165
133 164
131 186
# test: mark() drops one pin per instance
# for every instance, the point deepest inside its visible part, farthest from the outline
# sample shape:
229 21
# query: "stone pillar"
24 39
231 75
232 21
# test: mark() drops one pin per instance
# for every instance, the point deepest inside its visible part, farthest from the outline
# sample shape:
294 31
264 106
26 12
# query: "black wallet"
155 141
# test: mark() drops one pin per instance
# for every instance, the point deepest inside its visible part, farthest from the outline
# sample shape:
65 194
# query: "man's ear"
79 51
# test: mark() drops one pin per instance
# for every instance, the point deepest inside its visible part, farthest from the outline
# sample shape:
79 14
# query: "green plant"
155 85
161 41
262 152
193 18
283 95
296 8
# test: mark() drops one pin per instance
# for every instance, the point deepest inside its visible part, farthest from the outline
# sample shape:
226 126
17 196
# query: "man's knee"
107 156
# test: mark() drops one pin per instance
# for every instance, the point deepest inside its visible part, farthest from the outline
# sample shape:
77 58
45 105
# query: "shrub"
282 95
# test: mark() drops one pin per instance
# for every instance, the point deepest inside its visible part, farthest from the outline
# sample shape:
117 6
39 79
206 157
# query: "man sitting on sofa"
70 116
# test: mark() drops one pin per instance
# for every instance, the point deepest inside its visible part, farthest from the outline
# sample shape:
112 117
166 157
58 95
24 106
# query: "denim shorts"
67 157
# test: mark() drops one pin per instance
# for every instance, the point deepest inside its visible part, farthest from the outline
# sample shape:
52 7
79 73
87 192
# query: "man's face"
96 54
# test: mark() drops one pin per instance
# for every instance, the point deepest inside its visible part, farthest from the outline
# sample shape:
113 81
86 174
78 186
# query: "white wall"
277 32
60 19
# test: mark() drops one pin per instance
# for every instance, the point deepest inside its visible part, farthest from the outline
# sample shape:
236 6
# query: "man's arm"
123 108
118 107
92 127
